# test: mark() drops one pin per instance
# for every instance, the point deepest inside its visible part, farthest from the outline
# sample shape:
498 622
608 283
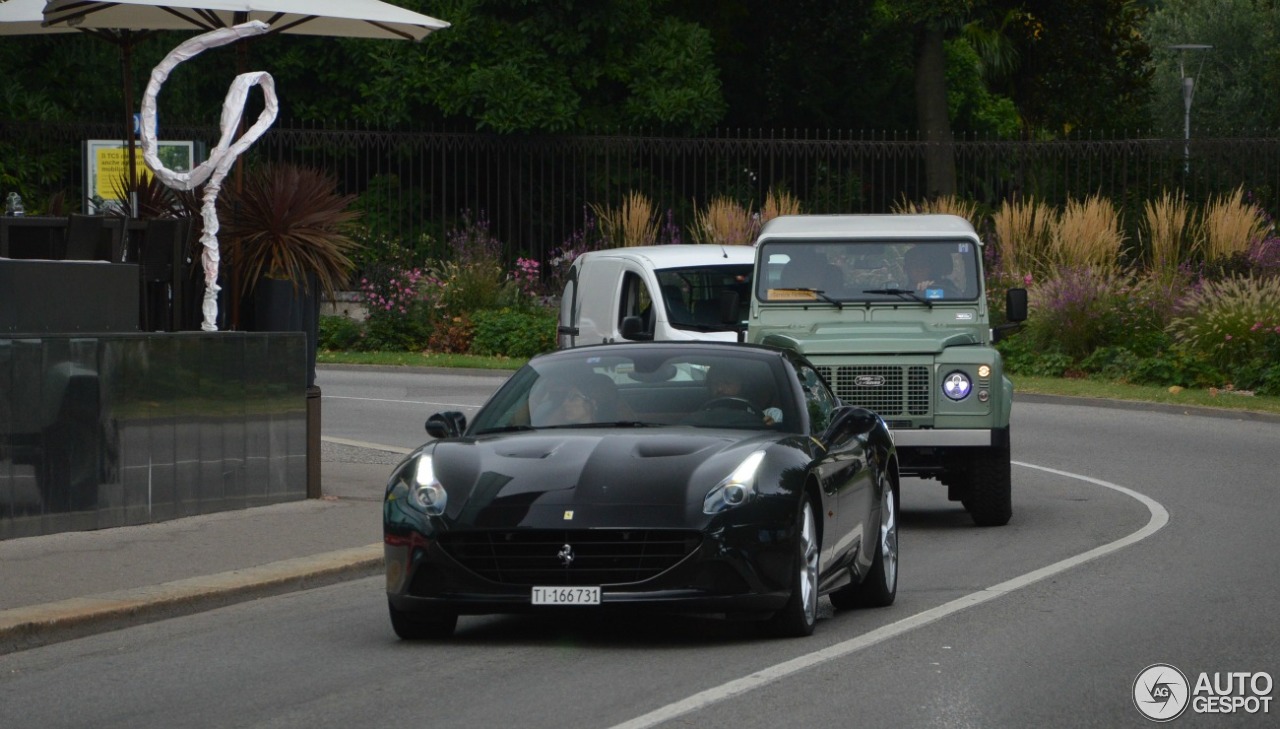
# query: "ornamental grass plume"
779 203
1022 231
633 223
1229 321
1166 226
1230 225
725 222
946 204
1087 234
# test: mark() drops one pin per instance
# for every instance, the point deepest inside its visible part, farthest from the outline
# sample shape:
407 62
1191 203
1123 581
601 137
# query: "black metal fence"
535 192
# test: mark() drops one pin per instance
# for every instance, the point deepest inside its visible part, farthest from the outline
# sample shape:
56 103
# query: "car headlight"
736 489
957 385
426 491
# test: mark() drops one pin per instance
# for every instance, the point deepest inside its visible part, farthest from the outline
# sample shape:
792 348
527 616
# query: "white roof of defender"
925 225
681 255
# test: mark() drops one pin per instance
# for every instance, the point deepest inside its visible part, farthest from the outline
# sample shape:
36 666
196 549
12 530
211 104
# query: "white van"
670 292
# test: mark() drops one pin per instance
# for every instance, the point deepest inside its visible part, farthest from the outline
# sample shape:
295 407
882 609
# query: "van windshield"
867 270
692 296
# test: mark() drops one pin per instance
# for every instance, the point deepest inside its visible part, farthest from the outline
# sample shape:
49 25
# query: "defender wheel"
421 626
879 587
990 497
800 614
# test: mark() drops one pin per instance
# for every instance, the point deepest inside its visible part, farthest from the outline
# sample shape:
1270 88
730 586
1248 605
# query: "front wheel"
421 626
989 498
800 614
879 587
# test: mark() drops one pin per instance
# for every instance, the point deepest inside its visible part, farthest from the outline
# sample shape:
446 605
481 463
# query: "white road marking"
402 402
703 699
363 444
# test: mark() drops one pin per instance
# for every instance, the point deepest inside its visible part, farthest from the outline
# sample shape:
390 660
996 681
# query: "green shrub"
513 333
338 333
1078 310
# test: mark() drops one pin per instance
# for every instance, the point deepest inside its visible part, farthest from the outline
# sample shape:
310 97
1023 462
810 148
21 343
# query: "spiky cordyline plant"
288 222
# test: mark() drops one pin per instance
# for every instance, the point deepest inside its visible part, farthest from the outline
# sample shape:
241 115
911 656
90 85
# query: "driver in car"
726 382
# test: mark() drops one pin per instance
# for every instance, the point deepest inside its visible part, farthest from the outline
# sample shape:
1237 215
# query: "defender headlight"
427 492
736 489
957 385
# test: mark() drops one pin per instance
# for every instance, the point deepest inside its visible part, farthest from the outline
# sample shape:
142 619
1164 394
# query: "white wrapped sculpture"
222 156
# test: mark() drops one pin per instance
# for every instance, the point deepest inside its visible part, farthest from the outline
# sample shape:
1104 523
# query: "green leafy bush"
1078 310
339 333
513 333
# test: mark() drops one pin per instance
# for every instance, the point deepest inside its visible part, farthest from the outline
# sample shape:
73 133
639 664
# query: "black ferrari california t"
689 477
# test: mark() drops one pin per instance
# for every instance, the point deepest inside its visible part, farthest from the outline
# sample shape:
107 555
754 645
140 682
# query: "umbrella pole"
126 71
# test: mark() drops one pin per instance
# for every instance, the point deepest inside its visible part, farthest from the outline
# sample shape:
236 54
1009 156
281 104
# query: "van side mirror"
633 330
449 424
730 317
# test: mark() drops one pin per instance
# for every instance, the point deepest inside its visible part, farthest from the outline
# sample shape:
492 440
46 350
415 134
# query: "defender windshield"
928 271
692 296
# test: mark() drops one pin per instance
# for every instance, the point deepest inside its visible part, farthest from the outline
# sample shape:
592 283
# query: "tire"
879 587
421 626
989 500
798 618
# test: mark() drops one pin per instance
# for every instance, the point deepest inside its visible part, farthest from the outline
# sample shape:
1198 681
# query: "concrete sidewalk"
62 586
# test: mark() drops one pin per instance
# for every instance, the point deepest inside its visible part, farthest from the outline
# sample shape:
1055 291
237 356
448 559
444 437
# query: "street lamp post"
1188 91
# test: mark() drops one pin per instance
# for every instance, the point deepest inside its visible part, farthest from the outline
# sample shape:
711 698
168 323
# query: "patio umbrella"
124 22
333 18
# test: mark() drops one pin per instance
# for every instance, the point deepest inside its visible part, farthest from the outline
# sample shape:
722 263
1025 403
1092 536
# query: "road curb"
1158 407
37 625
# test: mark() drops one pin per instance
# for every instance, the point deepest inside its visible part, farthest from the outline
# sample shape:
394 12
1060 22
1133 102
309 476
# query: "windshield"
692 296
644 386
867 270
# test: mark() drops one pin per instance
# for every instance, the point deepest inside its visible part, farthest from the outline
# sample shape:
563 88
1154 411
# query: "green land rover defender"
892 311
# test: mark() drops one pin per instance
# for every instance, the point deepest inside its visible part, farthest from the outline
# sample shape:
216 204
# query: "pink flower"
1026 280
1228 337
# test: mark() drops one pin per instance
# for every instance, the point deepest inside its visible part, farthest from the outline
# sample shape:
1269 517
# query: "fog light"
983 396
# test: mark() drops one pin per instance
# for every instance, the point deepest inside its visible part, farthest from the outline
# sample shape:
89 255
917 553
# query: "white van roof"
680 255
923 225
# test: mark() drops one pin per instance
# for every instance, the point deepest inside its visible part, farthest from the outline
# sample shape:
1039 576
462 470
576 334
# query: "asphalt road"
1138 537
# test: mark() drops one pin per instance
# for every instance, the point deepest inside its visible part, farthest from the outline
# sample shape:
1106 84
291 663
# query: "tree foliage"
1238 85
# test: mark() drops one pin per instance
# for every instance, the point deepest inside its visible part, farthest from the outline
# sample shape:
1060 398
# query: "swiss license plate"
566 595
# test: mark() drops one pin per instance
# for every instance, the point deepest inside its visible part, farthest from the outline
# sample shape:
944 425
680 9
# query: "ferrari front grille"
570 556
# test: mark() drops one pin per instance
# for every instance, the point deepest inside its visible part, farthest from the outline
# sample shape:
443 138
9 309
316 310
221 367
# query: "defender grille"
600 556
889 391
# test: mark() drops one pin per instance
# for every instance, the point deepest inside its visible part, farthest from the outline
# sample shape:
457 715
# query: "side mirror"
633 329
729 307
1015 305
1015 308
449 424
729 314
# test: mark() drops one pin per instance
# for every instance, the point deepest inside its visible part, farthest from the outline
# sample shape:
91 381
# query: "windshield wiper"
820 293
609 424
901 292
505 429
